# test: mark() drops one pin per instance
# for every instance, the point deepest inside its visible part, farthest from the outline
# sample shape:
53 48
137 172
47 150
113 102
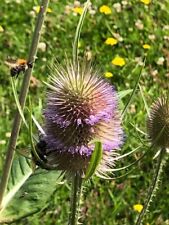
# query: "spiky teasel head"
158 123
80 107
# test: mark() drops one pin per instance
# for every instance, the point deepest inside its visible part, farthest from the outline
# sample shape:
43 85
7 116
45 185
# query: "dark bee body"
18 66
41 151
41 160
15 71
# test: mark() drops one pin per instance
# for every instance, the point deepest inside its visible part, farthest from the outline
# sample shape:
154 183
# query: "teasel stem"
75 198
153 187
22 99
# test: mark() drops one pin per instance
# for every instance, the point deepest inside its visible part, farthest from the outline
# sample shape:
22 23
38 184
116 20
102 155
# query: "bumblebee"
41 151
18 66
41 148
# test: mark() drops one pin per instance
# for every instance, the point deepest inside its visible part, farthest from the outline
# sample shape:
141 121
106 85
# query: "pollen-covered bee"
17 66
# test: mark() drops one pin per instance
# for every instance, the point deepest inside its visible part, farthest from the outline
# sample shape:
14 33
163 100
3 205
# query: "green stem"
75 198
77 34
22 99
153 186
134 90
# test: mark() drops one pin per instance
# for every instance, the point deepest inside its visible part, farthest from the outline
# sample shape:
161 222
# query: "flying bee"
18 66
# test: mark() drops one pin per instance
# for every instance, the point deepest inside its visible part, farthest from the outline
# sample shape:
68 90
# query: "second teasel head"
158 123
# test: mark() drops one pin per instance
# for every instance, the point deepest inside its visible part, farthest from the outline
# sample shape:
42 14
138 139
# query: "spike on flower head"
158 123
80 106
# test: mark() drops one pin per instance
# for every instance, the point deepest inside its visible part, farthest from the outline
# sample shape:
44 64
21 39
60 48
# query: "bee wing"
11 63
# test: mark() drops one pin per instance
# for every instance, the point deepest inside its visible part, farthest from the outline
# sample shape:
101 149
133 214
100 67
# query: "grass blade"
134 91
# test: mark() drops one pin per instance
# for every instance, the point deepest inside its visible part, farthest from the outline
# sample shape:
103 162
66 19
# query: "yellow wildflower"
118 61
79 45
146 2
37 9
138 207
111 41
105 9
1 29
49 10
108 74
146 46
78 10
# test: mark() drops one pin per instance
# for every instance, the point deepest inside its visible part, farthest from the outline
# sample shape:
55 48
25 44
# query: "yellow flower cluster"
111 41
118 61
78 10
146 46
146 2
108 74
138 207
105 9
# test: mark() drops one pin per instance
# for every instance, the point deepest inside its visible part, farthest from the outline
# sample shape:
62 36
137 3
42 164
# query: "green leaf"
95 160
20 172
27 193
122 94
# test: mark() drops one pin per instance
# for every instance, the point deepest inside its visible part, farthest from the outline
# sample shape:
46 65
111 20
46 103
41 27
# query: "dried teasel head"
158 123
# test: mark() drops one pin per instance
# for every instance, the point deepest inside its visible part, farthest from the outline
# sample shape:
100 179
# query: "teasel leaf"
27 192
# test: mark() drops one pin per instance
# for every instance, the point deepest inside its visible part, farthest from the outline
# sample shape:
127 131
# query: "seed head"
80 107
158 123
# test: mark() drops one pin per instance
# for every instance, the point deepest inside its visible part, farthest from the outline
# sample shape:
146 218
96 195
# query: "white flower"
124 3
139 25
151 37
160 61
117 7
139 61
154 73
42 46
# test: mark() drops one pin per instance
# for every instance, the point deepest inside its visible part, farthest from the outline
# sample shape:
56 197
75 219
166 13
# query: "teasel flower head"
80 107
158 123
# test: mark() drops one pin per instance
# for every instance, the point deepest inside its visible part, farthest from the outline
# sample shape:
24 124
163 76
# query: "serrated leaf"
29 193
95 160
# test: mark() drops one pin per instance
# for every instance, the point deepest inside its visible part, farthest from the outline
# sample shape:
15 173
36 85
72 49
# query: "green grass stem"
22 99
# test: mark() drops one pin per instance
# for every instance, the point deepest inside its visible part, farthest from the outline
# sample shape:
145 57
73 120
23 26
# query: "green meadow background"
140 29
